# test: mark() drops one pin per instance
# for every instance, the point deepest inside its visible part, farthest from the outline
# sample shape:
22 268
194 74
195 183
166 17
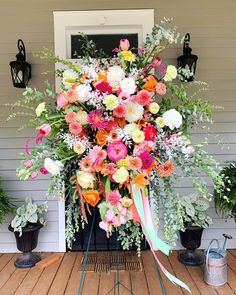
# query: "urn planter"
191 240
26 243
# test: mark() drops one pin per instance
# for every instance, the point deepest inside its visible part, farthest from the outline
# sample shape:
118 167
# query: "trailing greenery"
225 198
6 205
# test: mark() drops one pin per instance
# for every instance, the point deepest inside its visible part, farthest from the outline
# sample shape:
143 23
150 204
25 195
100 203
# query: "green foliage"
195 208
27 214
225 198
5 204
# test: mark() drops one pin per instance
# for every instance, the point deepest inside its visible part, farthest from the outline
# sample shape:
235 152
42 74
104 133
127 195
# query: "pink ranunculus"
44 129
143 97
116 151
33 175
113 198
75 128
43 170
70 117
124 44
119 111
123 97
161 88
28 164
147 160
62 101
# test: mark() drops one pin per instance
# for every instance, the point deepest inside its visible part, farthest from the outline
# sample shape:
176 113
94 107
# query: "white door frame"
67 23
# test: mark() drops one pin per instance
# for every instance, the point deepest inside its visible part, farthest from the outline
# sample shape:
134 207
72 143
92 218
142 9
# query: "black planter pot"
27 242
191 240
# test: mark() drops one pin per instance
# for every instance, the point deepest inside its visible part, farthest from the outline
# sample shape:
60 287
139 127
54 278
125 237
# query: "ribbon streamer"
143 209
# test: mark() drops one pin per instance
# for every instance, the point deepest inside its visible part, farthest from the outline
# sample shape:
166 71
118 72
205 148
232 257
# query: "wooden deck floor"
63 277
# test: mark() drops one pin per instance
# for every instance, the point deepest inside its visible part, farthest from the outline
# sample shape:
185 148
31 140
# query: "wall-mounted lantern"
187 61
20 68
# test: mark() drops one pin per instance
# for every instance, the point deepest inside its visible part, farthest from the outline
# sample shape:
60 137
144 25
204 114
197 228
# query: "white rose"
85 179
114 76
128 85
134 111
171 73
172 119
83 92
53 167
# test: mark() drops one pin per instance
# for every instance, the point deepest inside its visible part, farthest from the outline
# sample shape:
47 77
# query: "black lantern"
20 69
187 62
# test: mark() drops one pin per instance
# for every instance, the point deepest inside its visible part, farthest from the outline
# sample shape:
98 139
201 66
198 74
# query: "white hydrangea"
172 119
83 92
115 75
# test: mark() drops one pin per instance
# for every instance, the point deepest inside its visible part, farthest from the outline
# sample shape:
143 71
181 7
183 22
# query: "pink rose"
62 101
75 127
119 111
28 164
116 151
33 175
143 97
44 129
124 44
161 88
70 117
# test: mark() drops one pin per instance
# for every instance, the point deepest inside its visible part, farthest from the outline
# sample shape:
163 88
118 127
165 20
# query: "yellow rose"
126 202
85 179
82 117
111 102
123 163
138 136
154 108
160 122
128 55
79 148
121 175
171 73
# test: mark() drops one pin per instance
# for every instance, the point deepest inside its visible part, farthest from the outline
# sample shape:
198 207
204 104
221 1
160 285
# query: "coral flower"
62 101
91 197
71 95
86 164
113 197
109 169
161 88
75 128
96 120
150 85
147 160
166 169
119 111
150 133
143 97
71 116
140 181
97 153
116 151
101 137
135 163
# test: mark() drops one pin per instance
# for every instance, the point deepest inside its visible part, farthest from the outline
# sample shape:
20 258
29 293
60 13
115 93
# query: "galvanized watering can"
215 273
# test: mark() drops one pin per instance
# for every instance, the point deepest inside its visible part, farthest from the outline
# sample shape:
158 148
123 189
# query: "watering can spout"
225 241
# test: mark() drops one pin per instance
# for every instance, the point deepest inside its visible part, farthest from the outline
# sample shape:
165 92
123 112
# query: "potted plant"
225 198
5 204
195 220
26 225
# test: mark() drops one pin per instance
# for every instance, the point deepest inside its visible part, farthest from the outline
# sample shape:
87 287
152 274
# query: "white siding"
212 27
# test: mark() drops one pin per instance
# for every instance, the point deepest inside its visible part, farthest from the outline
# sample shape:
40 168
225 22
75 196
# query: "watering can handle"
208 250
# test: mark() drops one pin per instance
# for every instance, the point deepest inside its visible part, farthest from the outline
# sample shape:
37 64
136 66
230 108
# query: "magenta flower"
96 120
28 164
33 175
116 151
147 160
43 170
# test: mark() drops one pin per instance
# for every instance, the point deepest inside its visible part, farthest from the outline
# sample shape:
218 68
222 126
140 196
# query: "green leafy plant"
28 214
195 209
5 204
225 198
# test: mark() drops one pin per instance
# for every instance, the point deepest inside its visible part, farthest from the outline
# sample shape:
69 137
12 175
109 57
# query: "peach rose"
91 197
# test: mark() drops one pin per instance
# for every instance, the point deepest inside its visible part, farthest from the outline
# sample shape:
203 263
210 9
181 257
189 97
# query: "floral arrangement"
118 134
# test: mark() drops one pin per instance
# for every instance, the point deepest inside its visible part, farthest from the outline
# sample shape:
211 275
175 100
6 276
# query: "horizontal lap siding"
213 38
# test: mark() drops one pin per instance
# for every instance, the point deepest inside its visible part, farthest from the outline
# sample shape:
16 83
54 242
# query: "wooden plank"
74 281
125 280
225 290
232 252
171 289
60 281
31 279
183 274
91 283
46 279
139 283
231 261
151 275
197 275
231 279
107 281
4 259
7 271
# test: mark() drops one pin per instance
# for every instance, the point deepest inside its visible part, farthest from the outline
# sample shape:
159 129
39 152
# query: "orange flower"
166 169
150 85
83 78
142 123
101 137
121 122
140 181
91 197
